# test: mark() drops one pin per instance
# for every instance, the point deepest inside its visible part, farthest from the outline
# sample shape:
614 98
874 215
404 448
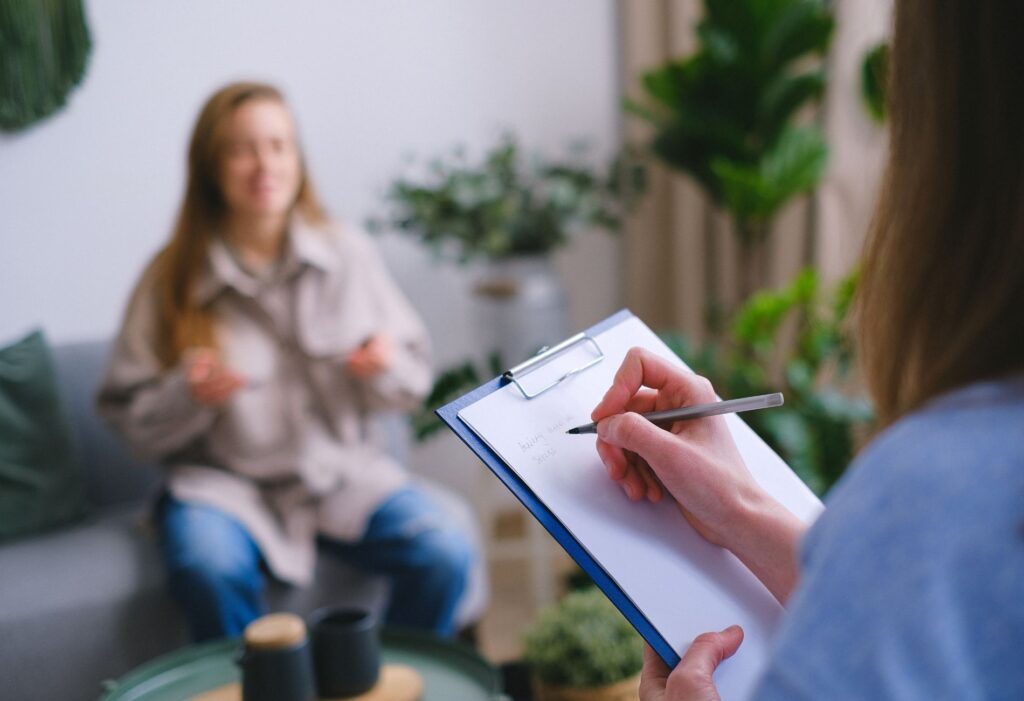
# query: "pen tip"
573 430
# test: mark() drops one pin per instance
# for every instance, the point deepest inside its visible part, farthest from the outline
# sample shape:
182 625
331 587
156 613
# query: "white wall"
88 195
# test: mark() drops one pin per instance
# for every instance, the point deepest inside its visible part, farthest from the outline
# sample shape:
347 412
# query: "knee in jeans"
214 567
447 554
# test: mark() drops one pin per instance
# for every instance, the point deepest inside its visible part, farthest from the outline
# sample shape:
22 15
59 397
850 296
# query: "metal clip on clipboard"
545 356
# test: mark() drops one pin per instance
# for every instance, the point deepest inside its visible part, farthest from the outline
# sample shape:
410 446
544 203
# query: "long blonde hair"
941 301
182 321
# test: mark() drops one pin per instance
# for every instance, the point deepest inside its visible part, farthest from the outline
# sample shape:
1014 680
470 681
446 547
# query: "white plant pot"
520 306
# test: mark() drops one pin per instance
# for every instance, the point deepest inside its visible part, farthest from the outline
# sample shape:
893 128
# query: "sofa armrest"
112 475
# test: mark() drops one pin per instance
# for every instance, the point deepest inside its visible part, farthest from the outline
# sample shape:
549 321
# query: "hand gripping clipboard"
667 581
449 414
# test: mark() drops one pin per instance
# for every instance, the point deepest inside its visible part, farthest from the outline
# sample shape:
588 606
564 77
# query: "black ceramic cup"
276 661
346 651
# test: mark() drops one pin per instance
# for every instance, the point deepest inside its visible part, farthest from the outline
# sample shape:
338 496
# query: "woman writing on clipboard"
911 584
253 352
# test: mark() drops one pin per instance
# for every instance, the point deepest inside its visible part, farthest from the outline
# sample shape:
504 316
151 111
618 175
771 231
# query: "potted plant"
582 649
728 114
511 213
505 206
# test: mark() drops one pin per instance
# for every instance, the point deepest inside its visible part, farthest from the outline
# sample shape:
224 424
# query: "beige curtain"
680 252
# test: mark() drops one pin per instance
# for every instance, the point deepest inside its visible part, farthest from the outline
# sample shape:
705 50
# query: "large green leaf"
799 28
721 46
667 85
744 189
796 162
738 19
874 77
686 151
757 322
785 95
793 165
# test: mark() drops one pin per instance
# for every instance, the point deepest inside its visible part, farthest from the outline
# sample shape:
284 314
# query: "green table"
451 671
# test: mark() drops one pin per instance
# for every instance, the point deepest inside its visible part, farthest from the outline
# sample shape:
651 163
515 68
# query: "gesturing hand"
692 679
372 357
210 381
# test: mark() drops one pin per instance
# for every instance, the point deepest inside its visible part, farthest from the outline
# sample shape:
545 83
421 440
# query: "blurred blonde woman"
252 353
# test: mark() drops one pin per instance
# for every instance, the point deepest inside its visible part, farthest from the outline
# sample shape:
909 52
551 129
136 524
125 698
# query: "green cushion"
40 480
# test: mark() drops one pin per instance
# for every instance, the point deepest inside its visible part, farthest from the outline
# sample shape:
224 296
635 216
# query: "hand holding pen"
696 461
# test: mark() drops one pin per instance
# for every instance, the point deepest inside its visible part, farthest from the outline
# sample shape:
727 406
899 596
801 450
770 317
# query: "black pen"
699 411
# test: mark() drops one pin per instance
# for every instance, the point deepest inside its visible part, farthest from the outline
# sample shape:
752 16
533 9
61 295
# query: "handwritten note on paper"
682 584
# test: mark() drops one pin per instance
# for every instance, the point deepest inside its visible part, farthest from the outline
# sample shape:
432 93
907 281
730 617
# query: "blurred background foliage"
795 340
729 113
508 204
874 73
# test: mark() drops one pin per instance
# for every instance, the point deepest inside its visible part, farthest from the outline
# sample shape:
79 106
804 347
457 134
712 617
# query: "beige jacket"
292 454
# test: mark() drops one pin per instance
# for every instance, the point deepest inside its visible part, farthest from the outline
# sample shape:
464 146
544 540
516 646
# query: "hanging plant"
44 48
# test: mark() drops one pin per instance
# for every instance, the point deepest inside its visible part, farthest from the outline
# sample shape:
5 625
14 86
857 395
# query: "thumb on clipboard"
692 678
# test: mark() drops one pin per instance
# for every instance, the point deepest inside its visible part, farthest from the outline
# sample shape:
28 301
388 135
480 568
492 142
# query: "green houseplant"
509 212
728 113
582 648
816 432
509 205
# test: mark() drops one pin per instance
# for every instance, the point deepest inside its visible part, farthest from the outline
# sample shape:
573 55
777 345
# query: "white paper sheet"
682 584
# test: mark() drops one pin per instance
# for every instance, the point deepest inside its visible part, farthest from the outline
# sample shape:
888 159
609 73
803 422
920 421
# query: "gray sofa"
87 603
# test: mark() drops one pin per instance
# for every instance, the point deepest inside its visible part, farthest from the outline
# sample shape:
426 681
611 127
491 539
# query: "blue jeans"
216 571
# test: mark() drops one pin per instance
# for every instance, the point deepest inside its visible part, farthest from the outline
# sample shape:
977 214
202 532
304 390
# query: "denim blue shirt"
912 584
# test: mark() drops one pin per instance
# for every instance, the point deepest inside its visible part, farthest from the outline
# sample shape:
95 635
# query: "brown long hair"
182 321
941 301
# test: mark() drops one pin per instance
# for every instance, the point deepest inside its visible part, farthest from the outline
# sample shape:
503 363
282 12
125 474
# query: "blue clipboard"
449 414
